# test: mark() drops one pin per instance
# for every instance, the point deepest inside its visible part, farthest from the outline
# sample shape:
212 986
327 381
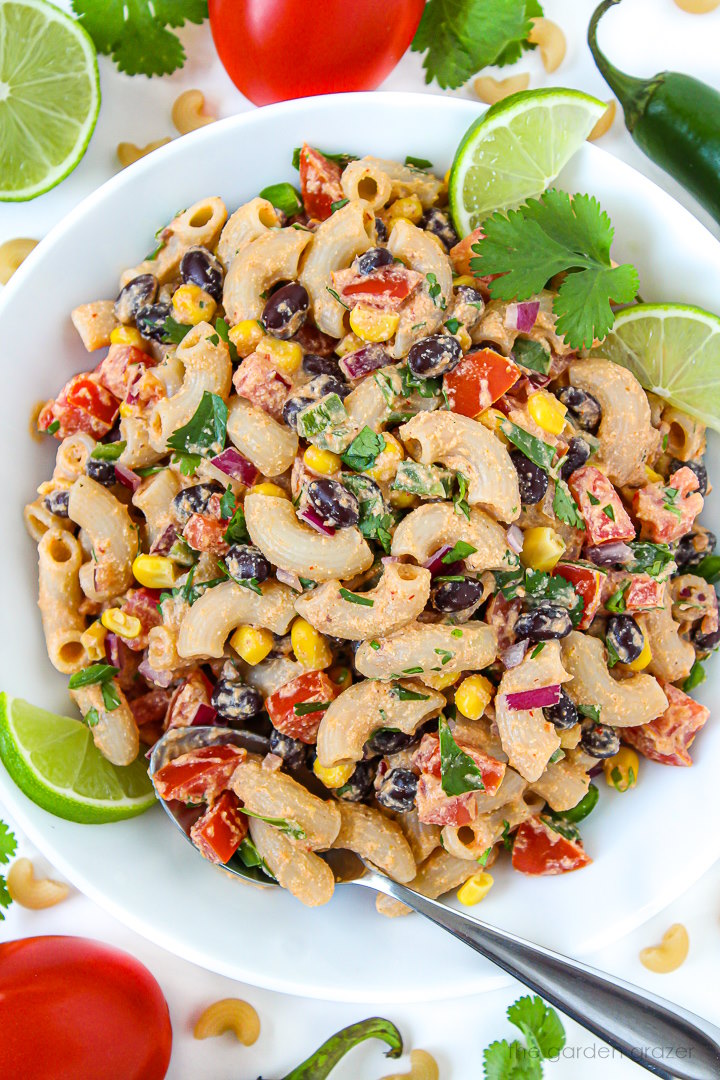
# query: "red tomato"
587 583
538 849
427 759
142 603
200 775
83 392
386 288
644 593
310 686
601 507
205 533
221 829
112 372
259 382
71 1008
434 807
667 738
666 512
319 182
274 50
479 380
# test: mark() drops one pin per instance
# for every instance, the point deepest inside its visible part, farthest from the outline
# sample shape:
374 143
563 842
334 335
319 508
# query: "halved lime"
516 149
672 350
54 760
49 97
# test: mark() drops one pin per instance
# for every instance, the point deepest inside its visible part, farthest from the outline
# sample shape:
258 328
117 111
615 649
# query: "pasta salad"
323 487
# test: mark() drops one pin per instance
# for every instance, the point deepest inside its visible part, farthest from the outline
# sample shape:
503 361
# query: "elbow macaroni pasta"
113 538
346 233
229 1014
397 600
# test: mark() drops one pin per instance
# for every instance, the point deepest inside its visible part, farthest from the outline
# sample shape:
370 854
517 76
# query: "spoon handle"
663 1038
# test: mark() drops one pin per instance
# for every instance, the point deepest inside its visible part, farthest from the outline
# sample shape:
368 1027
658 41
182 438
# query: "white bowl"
648 845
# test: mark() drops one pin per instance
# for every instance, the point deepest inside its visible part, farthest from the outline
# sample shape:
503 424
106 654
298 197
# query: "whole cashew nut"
491 90
229 1014
670 953
606 120
187 112
128 152
697 7
550 39
12 254
31 892
423 1066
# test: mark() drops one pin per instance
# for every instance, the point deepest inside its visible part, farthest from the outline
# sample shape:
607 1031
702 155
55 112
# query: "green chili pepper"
674 119
320 1064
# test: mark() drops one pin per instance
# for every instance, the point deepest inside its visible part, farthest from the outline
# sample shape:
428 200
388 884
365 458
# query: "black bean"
532 479
389 741
706 642
137 294
286 310
57 502
564 714
103 472
321 365
373 260
333 503
693 547
381 230
544 623
235 701
245 561
456 595
584 409
599 740
359 787
292 407
200 267
326 384
293 752
623 635
439 224
150 320
398 790
468 295
695 466
434 355
578 452
194 500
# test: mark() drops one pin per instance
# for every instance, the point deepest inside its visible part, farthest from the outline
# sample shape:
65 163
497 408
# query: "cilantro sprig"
544 1037
551 235
458 771
8 847
135 32
203 435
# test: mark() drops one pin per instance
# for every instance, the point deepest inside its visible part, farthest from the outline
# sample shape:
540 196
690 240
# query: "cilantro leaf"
95 673
539 1023
108 451
284 197
657 560
565 508
363 451
236 532
541 453
458 771
189 463
206 429
356 598
8 843
695 678
591 712
461 551
708 568
290 828
545 237
5 898
135 34
531 354
403 694
580 811
510 1061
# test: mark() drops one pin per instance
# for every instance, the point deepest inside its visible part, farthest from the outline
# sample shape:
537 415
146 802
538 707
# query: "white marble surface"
642 36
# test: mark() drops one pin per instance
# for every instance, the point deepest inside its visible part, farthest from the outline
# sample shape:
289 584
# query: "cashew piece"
128 152
229 1014
670 953
187 112
31 892
550 39
607 119
12 254
423 1066
492 90
697 7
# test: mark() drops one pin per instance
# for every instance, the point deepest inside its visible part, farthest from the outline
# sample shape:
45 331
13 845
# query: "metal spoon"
638 1024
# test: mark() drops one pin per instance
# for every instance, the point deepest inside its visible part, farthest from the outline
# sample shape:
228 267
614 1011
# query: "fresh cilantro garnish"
435 291
250 856
8 847
609 512
149 470
458 771
544 1038
616 602
110 696
336 296
340 159
695 678
89 676
708 568
592 712
460 37
541 453
457 632
531 354
304 707
52 428
592 499
537 650
374 644
236 532
411 383
291 828
227 504
355 598
108 451
482 859
224 332
92 717
548 236
565 508
363 451
174 331
403 694
418 162
284 197
189 463
654 559
135 32
375 520
453 325
670 495
580 811
460 551
459 498
537 587
205 432
445 656
417 670
338 205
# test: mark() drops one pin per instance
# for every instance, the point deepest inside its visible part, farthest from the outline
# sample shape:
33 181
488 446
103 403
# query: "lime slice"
54 760
673 350
49 97
516 149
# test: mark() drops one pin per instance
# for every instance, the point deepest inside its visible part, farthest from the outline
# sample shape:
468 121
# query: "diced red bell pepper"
601 507
205 533
434 807
479 380
112 372
82 405
200 775
587 583
143 605
644 593
311 686
319 182
667 511
193 691
385 289
538 849
427 759
219 832
258 381
667 738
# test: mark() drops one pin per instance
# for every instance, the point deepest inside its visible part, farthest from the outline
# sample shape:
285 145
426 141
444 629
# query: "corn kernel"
93 641
393 221
464 339
371 325
127 335
125 410
473 696
440 680
252 643
333 776
269 489
402 500
492 419
621 770
117 622
387 461
349 344
409 208
246 336
642 661
475 888
341 676
547 412
542 548
653 477
154 571
464 279
322 461
569 737
191 304
310 647
285 355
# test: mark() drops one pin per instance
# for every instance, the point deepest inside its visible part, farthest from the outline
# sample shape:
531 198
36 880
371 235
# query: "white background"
641 37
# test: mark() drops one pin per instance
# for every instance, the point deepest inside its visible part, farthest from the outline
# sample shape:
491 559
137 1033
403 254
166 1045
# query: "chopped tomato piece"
587 583
143 604
667 511
643 593
200 775
462 253
667 738
434 807
113 372
538 849
82 405
427 759
385 289
601 507
205 533
311 686
219 832
319 182
193 691
259 382
479 380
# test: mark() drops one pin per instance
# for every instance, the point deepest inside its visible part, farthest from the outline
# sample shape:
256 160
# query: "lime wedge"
54 760
49 97
672 350
516 149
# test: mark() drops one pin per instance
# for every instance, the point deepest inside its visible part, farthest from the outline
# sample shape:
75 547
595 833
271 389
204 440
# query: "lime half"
49 97
516 149
54 760
673 351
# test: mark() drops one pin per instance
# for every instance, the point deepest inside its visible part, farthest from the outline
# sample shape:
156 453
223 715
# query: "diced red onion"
232 463
609 554
436 565
308 515
157 678
112 650
387 559
515 538
132 396
514 654
357 364
596 770
272 762
127 477
539 698
288 578
522 316
205 716
164 542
